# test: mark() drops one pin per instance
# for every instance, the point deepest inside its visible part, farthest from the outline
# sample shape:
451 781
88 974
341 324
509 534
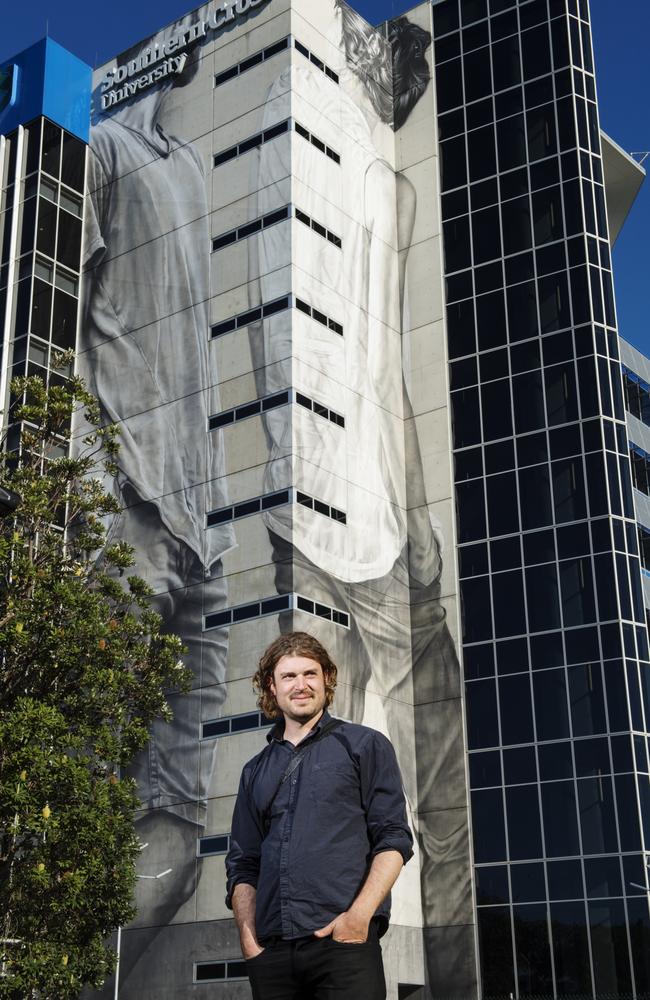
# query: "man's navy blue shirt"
341 806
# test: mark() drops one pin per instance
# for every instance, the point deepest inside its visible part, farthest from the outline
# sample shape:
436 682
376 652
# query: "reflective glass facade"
554 640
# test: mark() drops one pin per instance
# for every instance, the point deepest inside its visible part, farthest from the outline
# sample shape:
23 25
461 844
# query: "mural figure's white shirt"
146 323
361 468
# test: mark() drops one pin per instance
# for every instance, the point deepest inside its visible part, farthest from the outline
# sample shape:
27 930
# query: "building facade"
347 291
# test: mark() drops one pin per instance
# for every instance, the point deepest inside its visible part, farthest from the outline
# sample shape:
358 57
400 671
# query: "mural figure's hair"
393 86
411 72
291 644
368 56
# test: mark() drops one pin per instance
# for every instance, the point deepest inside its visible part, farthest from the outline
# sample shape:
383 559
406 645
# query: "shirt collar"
277 732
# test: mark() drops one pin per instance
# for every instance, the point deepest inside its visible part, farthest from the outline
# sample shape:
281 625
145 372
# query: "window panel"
491 885
535 497
533 951
571 947
505 63
516 709
482 721
524 830
511 143
476 610
587 699
609 948
550 700
491 320
560 819
542 598
496 410
487 817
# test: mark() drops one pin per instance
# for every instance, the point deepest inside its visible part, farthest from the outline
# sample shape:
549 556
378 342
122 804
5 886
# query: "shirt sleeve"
383 798
243 858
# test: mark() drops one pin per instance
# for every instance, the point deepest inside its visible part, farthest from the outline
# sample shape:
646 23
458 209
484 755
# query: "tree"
84 666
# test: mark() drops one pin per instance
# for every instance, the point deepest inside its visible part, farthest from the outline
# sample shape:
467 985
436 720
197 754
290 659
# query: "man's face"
299 687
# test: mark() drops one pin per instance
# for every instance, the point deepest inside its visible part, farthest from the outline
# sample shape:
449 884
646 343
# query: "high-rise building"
347 291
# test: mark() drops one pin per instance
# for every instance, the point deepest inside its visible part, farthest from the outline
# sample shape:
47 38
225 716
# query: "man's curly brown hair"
291 644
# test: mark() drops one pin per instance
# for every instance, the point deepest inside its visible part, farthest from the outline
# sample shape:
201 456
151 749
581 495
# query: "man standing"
319 836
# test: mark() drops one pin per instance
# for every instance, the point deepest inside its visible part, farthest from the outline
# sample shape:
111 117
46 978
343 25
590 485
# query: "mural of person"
383 566
144 351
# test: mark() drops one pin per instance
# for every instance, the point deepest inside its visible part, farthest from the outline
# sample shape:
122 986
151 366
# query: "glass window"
527 883
491 885
603 877
41 309
536 52
28 225
470 506
550 700
534 974
487 817
522 311
570 948
505 61
505 553
554 303
597 818
453 163
539 547
466 420
628 812
555 762
468 464
494 364
561 393
516 709
461 332
609 948
503 513
564 880
511 144
473 560
478 80
547 215
528 399
73 162
485 769
481 153
478 661
535 497
639 923
51 155
495 946
587 700
64 322
516 225
542 138
524 831
491 320
69 242
485 235
578 605
519 765
542 598
46 228
457 244
509 611
476 613
496 409
560 819
449 85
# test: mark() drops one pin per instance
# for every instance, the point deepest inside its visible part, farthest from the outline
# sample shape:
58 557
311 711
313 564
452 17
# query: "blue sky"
621 31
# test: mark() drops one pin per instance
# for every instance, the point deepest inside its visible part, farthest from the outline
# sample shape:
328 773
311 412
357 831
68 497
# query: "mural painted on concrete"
151 292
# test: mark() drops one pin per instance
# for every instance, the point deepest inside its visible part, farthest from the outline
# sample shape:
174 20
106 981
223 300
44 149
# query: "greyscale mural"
150 289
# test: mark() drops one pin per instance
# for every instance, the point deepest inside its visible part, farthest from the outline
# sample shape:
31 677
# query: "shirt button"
293 781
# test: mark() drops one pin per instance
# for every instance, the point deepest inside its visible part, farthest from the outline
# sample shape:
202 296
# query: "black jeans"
312 968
